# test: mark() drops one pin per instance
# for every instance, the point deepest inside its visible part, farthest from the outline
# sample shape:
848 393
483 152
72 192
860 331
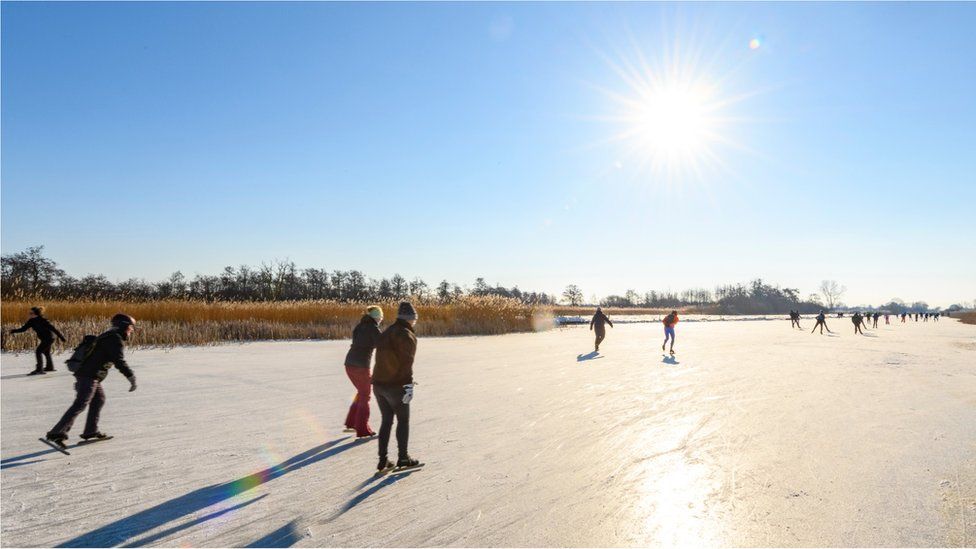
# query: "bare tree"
573 295
832 292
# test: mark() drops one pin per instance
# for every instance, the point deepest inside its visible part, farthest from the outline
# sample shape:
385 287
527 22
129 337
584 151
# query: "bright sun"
672 121
671 117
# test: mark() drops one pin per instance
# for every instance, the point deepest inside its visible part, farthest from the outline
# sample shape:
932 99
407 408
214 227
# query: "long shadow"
124 529
669 360
286 536
592 355
6 462
160 535
19 463
390 479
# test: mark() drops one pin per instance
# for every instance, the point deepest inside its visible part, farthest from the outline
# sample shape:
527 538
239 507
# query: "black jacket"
395 351
44 329
599 320
108 351
364 338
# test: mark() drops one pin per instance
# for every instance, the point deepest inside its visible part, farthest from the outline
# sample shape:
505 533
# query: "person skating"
857 319
821 323
599 323
364 338
795 319
903 317
886 318
393 384
45 333
875 318
669 322
108 349
936 316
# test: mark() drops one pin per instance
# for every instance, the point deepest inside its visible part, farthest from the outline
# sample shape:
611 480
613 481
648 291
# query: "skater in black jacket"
795 319
45 333
107 350
599 320
857 319
393 384
821 323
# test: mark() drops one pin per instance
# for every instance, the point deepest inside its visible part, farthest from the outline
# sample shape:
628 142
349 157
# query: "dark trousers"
358 416
600 334
857 329
390 400
44 352
88 393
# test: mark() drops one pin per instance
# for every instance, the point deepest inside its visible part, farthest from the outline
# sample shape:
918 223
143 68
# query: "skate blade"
94 440
55 446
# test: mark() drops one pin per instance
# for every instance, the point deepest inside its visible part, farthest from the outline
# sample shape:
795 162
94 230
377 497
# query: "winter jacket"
598 321
108 351
45 330
364 338
395 351
670 320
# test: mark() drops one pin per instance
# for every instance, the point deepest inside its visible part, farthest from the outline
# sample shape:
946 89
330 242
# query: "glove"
407 393
132 383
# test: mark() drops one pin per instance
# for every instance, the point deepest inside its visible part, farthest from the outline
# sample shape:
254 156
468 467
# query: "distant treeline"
757 297
30 275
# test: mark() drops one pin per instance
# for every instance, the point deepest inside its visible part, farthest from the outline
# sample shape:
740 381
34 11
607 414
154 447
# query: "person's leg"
94 409
46 351
354 406
403 430
360 378
599 339
386 424
39 354
84 391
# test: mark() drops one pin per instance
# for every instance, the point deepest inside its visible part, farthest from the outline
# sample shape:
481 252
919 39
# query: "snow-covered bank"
755 435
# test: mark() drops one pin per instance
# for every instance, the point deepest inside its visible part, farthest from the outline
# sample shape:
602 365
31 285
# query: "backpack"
81 353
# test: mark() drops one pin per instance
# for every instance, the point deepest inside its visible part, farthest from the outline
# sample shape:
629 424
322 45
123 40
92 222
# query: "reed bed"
173 322
966 318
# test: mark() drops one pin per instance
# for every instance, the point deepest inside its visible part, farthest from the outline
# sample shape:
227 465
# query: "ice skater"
795 319
45 334
903 316
858 320
599 321
106 351
821 323
886 318
875 318
669 322
393 385
364 338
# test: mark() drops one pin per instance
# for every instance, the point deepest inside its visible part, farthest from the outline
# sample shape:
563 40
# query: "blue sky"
464 140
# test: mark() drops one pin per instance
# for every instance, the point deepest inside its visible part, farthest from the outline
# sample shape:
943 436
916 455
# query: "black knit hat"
122 320
406 311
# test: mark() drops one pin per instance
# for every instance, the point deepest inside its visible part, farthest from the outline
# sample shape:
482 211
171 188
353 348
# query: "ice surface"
755 434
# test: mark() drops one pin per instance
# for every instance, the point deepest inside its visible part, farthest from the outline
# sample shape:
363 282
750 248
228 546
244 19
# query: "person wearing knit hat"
599 322
393 385
107 350
364 338
45 333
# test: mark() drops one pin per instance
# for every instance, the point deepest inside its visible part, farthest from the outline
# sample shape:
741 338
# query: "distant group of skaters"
600 321
391 380
860 320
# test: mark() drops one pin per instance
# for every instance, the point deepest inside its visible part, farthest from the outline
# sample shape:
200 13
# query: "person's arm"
117 357
57 333
23 328
607 318
592 320
406 349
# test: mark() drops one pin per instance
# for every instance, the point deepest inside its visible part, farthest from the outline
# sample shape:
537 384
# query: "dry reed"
169 323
